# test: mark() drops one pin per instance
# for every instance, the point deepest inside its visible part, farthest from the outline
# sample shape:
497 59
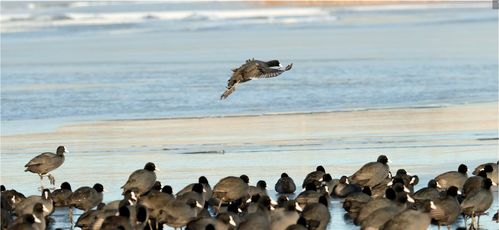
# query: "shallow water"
68 70
69 63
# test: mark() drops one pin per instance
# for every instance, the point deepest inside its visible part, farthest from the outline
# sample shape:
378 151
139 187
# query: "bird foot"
51 179
70 215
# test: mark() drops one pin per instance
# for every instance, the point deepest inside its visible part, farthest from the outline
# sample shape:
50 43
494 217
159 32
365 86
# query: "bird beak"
327 188
347 181
412 180
409 198
320 180
134 197
239 210
494 183
280 66
406 189
231 221
273 202
459 193
156 169
104 190
36 219
272 208
45 209
389 161
438 185
298 207
389 183
204 190
432 205
199 205
248 200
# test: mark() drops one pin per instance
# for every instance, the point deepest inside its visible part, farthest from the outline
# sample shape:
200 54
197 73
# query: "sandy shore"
425 141
157 133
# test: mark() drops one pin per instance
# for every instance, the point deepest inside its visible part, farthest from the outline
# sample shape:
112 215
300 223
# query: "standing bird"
372 173
447 208
26 206
230 189
142 180
453 178
85 198
477 203
253 69
61 196
46 162
314 177
285 184
493 175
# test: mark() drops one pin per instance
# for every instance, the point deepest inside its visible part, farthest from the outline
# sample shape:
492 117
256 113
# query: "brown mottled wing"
263 71
230 89
234 80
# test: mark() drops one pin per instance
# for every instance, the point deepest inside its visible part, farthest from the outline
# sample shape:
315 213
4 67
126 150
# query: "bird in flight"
253 69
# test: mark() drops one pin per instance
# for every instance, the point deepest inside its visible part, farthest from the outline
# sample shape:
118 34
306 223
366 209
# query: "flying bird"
253 69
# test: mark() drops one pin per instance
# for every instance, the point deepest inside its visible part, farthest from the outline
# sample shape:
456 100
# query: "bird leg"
478 222
41 183
220 205
51 179
472 226
70 214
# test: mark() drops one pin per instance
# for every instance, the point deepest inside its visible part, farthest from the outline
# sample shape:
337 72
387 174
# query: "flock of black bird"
372 198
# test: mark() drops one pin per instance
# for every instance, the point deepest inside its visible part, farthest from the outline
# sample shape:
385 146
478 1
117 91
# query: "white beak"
273 202
389 183
320 180
272 208
412 180
231 221
204 190
432 205
298 208
409 198
45 209
36 219
248 200
438 185
327 189
494 183
347 181
280 66
389 161
156 169
199 205
459 192
406 189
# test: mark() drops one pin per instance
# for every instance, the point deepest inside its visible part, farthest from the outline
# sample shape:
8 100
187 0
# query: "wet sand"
425 141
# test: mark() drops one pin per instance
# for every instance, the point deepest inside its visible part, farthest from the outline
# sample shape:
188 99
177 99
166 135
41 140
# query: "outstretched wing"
262 71
230 89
